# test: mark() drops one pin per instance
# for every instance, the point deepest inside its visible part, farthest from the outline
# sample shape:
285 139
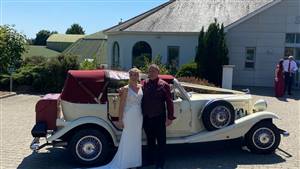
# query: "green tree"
212 53
200 52
156 60
42 36
75 29
12 45
187 70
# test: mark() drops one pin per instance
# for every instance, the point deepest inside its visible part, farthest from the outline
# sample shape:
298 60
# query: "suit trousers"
155 130
288 80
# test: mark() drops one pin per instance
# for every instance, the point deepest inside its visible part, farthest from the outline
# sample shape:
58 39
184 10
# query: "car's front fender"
236 130
83 121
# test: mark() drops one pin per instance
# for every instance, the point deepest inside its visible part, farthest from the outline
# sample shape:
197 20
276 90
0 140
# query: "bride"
129 154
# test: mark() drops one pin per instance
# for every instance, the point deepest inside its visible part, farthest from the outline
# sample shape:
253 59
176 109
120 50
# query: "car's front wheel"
89 147
263 138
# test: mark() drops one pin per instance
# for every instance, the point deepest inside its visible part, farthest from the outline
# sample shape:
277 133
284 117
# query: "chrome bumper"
36 145
283 132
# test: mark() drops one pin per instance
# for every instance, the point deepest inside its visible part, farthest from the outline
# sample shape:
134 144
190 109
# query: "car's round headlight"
260 105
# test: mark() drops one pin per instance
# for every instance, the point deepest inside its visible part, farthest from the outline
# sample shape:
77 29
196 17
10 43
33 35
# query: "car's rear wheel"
263 138
89 147
218 115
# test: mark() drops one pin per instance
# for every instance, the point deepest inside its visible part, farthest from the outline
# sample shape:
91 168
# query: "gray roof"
189 15
89 47
97 35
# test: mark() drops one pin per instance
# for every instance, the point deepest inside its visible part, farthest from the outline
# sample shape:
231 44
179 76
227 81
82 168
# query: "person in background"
290 68
279 79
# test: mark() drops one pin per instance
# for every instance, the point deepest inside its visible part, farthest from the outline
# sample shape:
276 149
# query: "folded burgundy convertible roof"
85 86
82 86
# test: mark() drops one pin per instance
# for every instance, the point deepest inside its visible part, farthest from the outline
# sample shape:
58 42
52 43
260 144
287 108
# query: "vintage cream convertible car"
82 118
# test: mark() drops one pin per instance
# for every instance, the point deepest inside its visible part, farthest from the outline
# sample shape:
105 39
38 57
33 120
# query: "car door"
181 126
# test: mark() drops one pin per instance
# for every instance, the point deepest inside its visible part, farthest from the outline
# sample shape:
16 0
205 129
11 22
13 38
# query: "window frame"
250 61
115 59
296 38
168 55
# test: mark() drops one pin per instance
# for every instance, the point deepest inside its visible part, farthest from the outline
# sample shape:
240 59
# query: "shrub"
195 80
48 75
187 70
56 71
4 82
88 65
35 60
156 60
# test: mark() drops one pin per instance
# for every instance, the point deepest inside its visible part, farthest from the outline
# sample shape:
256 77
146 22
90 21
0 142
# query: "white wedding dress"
129 152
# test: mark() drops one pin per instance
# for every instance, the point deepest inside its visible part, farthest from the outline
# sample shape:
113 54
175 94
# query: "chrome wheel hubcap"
88 148
220 117
263 138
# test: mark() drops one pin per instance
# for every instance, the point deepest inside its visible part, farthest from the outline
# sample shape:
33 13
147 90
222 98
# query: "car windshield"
184 94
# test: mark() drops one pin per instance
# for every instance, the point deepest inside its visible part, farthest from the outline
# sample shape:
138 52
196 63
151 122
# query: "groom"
157 96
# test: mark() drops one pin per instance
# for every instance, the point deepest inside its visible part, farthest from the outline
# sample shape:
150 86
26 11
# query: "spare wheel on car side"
218 114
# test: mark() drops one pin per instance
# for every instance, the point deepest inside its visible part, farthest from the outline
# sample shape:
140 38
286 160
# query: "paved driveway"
17 119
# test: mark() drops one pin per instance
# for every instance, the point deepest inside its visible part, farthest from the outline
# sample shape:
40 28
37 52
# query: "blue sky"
30 16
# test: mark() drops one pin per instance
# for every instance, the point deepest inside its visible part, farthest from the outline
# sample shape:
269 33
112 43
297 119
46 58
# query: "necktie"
289 69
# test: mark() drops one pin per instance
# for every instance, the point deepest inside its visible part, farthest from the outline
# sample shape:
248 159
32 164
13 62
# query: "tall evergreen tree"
200 52
212 53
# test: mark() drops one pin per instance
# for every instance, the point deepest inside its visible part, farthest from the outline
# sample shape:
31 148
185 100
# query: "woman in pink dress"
279 79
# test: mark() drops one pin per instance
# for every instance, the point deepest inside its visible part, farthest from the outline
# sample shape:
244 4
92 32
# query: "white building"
259 33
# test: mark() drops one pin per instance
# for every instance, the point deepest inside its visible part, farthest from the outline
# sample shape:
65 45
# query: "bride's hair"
134 70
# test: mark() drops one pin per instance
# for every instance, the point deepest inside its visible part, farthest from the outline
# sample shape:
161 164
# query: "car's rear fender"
236 130
84 121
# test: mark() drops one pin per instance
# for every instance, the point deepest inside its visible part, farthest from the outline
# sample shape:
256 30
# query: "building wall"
266 31
159 45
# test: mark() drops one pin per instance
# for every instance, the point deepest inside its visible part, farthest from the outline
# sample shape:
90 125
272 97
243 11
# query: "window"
173 56
292 51
292 38
298 38
250 57
141 53
297 53
288 51
116 55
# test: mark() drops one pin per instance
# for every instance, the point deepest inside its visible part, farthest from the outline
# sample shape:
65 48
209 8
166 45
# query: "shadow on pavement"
269 91
217 155
55 158
214 155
